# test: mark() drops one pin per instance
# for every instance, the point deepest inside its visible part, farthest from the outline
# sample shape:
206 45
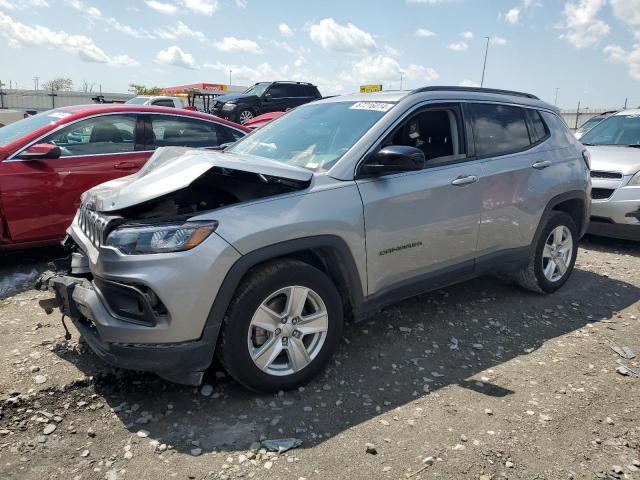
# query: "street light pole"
401 73
230 77
556 101
484 66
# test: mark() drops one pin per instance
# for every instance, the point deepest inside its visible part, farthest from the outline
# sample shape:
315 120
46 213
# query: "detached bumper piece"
103 312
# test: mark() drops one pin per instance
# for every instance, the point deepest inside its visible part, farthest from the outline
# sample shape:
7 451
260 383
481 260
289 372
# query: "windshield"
615 130
15 130
257 90
137 101
589 124
313 136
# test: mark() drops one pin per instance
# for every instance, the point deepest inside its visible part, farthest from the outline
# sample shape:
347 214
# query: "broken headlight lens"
144 239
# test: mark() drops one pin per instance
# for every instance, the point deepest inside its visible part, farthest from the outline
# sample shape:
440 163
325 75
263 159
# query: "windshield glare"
15 130
615 130
589 124
313 136
257 90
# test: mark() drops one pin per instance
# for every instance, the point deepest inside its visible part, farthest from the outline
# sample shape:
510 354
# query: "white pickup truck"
157 100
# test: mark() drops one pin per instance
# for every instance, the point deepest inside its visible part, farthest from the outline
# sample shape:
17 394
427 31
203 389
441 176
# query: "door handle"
125 166
465 180
542 164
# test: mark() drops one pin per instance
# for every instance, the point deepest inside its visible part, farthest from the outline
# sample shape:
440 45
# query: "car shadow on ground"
611 245
412 349
19 270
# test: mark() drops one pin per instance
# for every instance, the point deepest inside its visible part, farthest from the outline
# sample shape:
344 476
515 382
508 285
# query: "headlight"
227 107
635 180
143 239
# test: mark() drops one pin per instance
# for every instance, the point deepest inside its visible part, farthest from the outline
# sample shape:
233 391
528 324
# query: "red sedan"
49 159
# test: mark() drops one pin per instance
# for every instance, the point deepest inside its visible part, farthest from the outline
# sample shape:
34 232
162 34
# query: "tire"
533 276
271 286
245 115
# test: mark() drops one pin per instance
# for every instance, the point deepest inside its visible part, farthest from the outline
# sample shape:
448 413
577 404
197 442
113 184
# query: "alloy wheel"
245 116
288 330
557 253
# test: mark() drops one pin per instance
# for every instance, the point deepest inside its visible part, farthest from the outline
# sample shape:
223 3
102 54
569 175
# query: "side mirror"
266 97
40 151
395 159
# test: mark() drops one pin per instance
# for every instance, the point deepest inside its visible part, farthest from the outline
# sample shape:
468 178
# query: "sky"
583 50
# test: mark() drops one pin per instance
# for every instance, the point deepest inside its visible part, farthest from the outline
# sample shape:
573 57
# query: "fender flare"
557 200
245 263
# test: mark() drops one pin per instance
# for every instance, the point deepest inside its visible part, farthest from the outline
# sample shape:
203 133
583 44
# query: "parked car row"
259 253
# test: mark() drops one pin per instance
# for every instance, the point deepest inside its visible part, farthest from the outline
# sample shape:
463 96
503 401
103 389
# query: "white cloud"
241 3
630 58
498 40
203 7
423 33
459 46
333 36
583 28
233 44
628 12
179 30
21 35
385 69
94 14
389 50
22 4
468 83
285 30
177 57
467 35
167 8
512 16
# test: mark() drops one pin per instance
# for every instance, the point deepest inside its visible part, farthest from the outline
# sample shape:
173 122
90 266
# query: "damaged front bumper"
81 301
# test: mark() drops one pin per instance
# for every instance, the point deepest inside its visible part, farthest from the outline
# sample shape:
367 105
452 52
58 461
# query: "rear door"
423 226
511 142
40 197
183 131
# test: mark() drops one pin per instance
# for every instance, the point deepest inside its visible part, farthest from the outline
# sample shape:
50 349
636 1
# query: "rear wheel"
554 255
282 327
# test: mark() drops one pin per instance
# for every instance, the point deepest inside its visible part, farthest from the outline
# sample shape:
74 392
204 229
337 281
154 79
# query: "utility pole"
556 102
53 96
625 103
401 74
577 115
484 66
2 94
230 77
35 82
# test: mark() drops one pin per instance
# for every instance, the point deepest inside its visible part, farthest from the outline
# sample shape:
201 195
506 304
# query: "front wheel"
282 327
244 116
553 257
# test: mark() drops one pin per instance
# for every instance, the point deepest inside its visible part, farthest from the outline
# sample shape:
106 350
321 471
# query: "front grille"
93 225
609 175
601 193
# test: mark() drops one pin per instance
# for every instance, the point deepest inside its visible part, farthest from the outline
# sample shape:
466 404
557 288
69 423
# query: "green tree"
143 90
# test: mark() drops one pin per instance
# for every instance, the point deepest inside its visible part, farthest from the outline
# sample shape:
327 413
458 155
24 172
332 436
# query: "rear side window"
169 131
539 128
164 103
499 129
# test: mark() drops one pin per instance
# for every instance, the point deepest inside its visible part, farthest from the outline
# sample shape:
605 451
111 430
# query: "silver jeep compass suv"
258 254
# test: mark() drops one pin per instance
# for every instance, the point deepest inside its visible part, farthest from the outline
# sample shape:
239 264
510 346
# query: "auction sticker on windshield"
377 106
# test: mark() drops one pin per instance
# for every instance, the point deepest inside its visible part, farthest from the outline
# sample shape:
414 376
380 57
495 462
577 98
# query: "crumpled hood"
615 159
236 97
172 168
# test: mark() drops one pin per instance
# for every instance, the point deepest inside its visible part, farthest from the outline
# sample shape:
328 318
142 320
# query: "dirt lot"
480 381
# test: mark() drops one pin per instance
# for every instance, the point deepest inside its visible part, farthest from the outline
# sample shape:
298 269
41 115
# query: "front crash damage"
123 296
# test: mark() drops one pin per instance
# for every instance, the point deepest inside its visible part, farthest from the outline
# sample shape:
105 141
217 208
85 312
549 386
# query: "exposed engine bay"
216 188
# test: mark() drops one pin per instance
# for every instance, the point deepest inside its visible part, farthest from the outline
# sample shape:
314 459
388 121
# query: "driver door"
275 99
40 197
422 226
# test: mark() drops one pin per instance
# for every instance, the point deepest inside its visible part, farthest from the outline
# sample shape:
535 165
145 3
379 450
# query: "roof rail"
475 89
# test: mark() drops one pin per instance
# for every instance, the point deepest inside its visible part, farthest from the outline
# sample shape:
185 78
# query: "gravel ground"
481 380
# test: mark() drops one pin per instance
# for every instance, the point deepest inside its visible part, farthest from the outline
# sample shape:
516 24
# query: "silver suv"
260 253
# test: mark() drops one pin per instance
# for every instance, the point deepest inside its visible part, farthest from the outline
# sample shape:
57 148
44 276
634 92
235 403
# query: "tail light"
586 156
